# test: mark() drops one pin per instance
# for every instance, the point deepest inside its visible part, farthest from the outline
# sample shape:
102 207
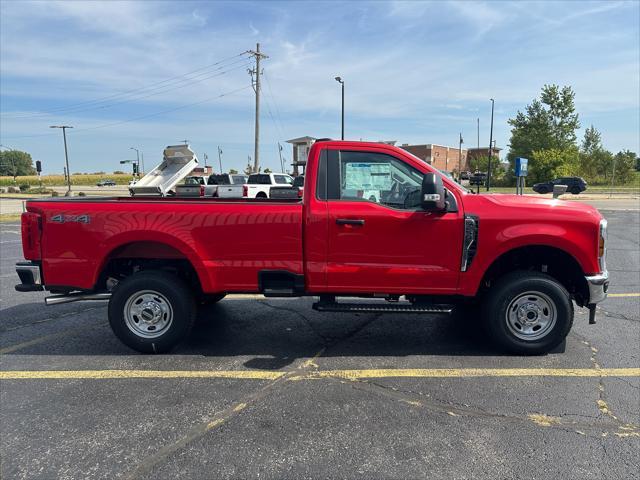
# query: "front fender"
494 243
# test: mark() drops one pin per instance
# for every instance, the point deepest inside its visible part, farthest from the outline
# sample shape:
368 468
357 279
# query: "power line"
162 89
275 103
143 116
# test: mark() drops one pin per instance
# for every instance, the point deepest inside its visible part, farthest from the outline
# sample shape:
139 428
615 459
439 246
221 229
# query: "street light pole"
341 82
490 144
66 154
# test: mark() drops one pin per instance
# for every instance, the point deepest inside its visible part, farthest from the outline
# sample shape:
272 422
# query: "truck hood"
533 204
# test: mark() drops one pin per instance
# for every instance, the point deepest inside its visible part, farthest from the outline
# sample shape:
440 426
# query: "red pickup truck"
375 223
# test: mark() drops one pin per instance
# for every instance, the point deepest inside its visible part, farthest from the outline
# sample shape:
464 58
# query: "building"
449 159
203 171
301 147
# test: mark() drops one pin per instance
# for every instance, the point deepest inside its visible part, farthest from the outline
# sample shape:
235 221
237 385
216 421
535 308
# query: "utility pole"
460 157
477 154
490 145
280 153
186 142
255 82
220 157
142 160
66 155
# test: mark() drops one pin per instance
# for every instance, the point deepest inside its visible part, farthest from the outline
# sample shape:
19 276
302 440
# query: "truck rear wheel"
151 312
528 313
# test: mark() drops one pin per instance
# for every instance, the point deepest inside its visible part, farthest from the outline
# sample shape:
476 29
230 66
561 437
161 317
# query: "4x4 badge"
71 218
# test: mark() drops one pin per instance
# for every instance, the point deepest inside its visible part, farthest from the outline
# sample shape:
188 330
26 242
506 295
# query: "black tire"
261 195
530 290
575 190
168 297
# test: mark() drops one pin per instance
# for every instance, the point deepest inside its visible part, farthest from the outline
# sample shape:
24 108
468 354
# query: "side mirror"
433 193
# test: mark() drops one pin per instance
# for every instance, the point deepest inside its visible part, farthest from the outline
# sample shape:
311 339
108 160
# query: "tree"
624 164
592 141
267 170
553 163
233 171
562 111
16 163
592 154
547 124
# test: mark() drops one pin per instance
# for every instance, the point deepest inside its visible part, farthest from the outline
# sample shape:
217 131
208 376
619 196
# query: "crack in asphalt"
595 430
49 319
142 469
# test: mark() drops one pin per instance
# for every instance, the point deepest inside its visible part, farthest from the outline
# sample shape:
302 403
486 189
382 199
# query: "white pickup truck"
259 184
225 185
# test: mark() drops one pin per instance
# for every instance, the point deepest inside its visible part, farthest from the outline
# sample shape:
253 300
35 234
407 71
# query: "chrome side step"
75 297
380 308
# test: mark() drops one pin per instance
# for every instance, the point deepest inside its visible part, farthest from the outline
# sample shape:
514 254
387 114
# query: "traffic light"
38 166
135 168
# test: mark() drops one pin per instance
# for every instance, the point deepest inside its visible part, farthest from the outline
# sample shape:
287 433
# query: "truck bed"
228 241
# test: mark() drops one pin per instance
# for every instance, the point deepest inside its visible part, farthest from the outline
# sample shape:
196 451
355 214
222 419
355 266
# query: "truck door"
378 241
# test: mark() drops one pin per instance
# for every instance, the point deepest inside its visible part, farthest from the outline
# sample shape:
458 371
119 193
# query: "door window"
282 179
379 178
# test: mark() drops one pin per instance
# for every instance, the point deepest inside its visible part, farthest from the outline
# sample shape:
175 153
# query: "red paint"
229 241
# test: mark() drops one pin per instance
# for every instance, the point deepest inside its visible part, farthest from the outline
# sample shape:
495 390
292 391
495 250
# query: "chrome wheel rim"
531 316
148 314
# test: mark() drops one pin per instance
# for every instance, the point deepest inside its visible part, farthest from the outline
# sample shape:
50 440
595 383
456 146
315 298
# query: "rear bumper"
598 286
30 277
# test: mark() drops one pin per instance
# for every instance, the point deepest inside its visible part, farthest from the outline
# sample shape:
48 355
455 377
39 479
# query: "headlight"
602 245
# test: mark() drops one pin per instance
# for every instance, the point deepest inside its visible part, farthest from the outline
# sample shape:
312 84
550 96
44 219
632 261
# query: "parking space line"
115 374
474 373
623 295
319 374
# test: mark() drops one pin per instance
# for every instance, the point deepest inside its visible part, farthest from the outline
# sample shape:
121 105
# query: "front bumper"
598 286
30 277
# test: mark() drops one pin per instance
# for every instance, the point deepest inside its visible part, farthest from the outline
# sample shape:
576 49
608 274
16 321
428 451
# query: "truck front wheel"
151 312
528 313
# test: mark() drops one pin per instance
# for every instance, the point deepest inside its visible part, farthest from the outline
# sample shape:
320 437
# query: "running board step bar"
380 308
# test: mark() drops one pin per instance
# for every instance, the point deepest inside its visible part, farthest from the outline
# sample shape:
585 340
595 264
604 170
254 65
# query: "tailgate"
188 190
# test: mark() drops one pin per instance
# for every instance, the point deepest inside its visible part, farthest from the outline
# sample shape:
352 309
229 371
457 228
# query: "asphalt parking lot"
269 388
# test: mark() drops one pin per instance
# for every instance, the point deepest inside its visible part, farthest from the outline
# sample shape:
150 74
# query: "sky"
149 74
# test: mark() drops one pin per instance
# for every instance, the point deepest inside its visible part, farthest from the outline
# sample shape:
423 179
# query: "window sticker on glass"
368 176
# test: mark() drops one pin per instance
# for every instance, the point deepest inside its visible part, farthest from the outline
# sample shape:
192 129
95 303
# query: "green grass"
58 180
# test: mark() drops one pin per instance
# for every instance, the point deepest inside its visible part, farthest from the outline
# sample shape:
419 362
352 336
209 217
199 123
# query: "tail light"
299 193
245 190
31 229
202 190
